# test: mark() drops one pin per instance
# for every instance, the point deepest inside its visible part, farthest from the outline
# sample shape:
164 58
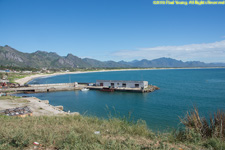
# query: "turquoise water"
180 89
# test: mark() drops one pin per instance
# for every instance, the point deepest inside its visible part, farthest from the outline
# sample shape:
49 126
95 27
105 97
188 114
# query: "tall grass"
78 132
214 127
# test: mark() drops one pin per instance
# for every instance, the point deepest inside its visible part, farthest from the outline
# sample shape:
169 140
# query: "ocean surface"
180 90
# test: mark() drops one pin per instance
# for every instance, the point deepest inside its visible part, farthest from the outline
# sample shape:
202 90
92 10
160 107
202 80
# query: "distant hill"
169 63
105 64
41 59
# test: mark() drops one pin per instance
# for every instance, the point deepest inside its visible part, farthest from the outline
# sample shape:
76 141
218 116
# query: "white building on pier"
122 84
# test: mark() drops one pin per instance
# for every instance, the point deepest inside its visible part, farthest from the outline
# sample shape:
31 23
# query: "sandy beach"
22 81
31 77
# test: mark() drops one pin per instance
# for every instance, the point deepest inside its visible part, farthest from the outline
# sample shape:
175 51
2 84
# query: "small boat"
28 92
105 89
84 89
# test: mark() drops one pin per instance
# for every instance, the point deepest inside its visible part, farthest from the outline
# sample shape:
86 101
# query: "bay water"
180 90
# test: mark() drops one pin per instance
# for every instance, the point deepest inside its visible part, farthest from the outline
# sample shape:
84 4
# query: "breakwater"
39 88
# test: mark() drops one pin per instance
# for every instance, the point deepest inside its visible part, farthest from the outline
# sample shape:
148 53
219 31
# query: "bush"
214 127
214 143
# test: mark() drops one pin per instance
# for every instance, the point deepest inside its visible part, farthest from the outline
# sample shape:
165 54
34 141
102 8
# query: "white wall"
129 84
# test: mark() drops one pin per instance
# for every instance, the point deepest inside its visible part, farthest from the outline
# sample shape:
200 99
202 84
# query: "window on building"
112 84
136 85
124 85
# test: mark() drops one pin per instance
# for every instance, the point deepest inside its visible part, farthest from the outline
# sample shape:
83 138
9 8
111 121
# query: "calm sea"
180 89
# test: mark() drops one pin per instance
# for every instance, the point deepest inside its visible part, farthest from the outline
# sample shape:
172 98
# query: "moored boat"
106 89
84 89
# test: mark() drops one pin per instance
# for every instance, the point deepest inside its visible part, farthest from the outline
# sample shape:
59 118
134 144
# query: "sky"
115 29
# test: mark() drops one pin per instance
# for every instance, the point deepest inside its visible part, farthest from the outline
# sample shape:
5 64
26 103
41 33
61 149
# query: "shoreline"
26 79
39 107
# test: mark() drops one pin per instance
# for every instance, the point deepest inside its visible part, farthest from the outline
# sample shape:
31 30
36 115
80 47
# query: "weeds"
78 132
69 132
214 143
214 127
200 131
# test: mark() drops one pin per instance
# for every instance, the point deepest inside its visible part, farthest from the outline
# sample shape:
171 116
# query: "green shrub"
215 144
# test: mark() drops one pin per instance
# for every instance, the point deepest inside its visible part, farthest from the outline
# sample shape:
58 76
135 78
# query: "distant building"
7 70
26 71
37 72
19 111
44 68
4 81
122 84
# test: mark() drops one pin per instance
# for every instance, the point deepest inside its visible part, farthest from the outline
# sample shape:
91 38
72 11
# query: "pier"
40 88
124 89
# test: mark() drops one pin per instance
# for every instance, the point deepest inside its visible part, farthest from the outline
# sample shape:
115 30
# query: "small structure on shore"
4 81
122 84
19 112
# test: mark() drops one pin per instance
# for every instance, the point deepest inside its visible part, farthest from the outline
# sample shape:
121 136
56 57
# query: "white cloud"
207 52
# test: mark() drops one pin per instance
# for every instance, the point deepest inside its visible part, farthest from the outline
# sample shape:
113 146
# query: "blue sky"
114 29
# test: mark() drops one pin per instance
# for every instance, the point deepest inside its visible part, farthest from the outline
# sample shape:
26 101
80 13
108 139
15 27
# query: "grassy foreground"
77 132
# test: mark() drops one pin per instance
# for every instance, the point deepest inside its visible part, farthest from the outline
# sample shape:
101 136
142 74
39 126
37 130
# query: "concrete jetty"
40 88
150 88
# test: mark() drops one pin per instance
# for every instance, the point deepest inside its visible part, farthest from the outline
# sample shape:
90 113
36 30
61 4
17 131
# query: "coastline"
31 77
52 116
26 79
39 107
42 107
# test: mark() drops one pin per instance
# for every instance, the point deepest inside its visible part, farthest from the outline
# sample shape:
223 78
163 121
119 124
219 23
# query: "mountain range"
42 59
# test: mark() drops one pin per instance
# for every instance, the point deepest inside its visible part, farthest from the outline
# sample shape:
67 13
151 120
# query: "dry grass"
214 127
